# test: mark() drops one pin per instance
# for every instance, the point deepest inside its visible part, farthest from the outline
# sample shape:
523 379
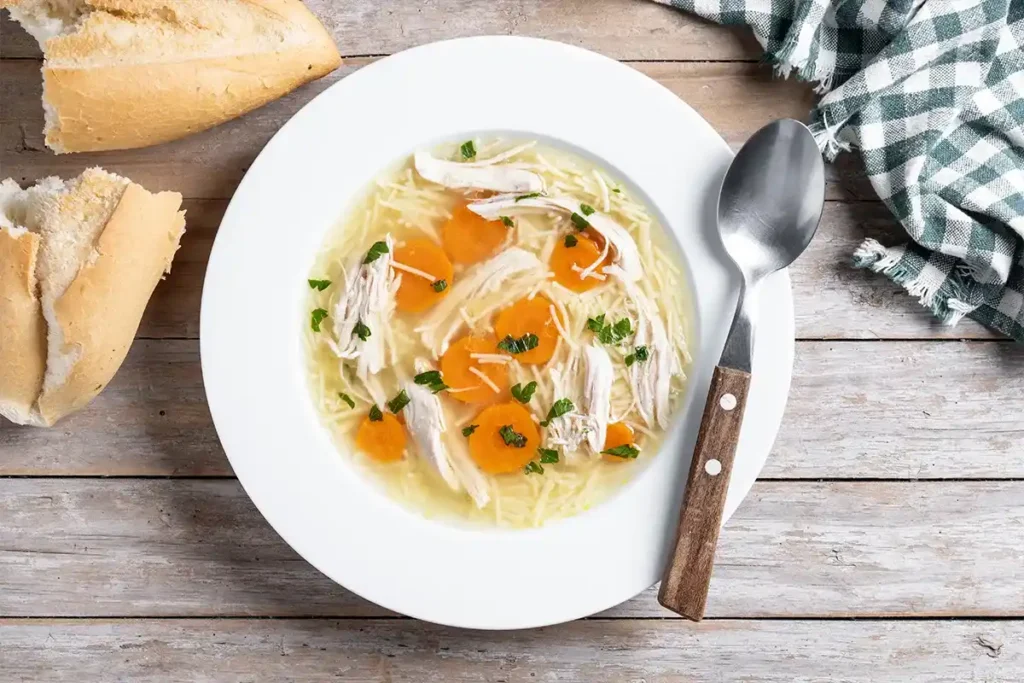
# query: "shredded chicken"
567 431
627 255
485 278
369 299
477 175
597 393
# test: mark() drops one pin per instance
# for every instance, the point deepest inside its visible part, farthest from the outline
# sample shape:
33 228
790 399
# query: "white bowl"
253 314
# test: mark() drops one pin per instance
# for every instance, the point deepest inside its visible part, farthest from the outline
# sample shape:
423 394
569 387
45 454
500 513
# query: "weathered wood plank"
857 409
736 99
585 651
199 548
624 29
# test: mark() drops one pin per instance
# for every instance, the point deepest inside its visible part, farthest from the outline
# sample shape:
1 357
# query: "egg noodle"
406 206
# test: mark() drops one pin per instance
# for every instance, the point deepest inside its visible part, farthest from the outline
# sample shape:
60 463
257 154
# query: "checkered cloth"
931 94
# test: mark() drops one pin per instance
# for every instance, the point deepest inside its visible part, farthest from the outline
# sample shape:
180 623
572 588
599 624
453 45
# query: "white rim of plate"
253 311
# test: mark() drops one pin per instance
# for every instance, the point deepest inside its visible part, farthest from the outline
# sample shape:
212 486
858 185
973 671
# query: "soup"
497 331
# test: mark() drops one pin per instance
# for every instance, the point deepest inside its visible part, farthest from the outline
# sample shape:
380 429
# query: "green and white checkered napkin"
931 94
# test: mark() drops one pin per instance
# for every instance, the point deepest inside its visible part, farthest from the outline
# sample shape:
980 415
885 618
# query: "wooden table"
883 542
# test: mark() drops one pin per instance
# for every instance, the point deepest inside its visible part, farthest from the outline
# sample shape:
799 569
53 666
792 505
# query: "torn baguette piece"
121 74
87 255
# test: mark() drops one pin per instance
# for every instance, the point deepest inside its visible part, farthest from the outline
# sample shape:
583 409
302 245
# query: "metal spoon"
768 211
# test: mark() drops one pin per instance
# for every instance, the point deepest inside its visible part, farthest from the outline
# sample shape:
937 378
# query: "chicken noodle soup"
498 330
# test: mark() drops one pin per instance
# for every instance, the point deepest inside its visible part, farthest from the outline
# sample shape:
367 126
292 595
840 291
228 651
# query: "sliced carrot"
619 434
581 256
530 316
468 238
383 440
492 450
456 364
418 293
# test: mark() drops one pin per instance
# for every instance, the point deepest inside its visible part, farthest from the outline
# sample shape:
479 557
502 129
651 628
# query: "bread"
120 74
79 261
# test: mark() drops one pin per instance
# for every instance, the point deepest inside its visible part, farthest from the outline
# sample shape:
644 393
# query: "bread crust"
100 311
22 327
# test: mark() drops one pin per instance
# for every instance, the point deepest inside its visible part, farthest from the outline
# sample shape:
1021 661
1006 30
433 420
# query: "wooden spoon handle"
684 586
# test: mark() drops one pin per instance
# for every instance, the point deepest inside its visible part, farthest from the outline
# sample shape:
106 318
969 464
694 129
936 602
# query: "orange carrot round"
456 365
417 293
529 316
582 255
383 440
505 439
468 238
619 434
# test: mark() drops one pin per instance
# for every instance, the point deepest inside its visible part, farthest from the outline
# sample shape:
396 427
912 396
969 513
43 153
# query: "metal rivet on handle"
728 402
713 467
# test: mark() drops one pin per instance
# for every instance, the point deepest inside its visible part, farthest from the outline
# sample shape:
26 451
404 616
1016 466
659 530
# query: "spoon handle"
684 585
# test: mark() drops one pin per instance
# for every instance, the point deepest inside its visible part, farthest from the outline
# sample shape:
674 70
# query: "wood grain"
134 548
687 576
358 651
623 29
907 410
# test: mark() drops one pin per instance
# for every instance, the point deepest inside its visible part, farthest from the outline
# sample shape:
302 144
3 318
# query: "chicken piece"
443 321
570 430
617 238
597 394
477 175
367 302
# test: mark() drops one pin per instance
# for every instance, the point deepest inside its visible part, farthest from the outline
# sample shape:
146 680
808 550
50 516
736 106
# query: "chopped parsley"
586 209
560 408
548 455
524 394
533 468
522 345
318 317
396 404
431 380
507 222
571 241
610 334
616 190
376 251
639 355
579 221
466 431
511 437
319 285
347 399
468 149
626 451
440 285
527 196
375 414
361 331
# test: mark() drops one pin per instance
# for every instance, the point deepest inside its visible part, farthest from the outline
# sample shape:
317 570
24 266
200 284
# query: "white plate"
253 313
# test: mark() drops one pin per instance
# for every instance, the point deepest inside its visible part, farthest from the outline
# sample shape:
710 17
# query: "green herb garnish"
375 414
626 451
560 408
361 331
376 251
468 149
586 209
319 285
466 431
571 241
579 221
616 190
522 345
432 380
507 221
639 355
440 285
396 404
533 468
347 399
527 196
548 455
511 437
609 334
318 317
524 394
